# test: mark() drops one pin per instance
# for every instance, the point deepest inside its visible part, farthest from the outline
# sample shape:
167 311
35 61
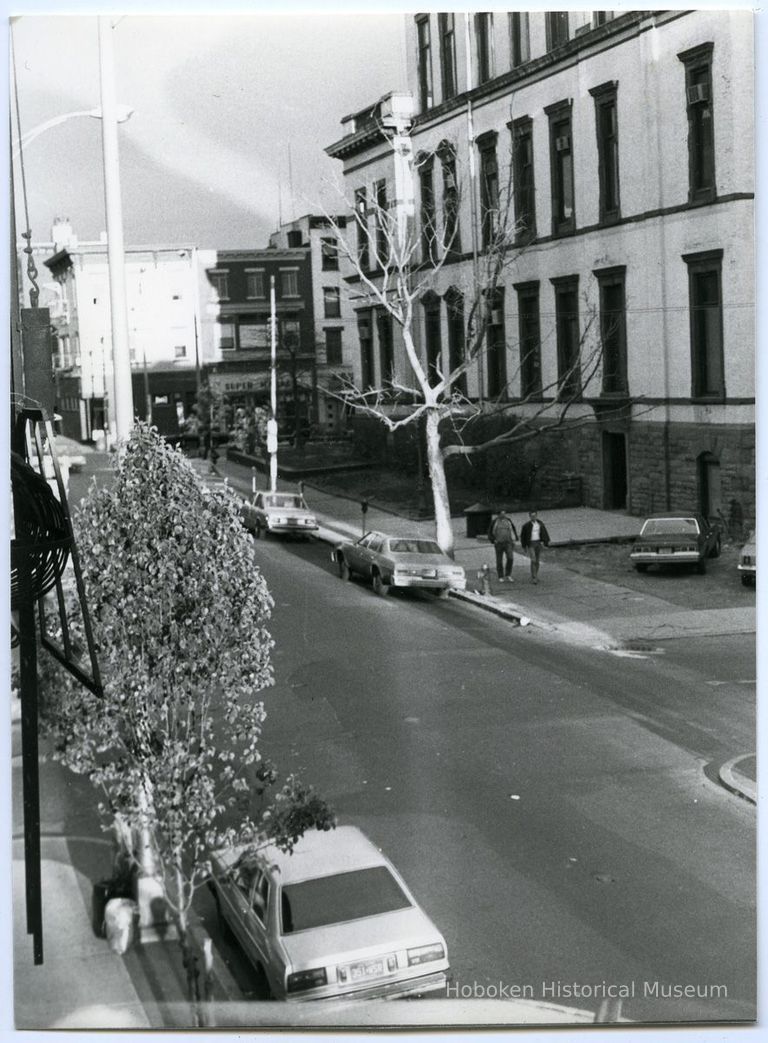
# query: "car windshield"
670 526
284 500
413 547
339 898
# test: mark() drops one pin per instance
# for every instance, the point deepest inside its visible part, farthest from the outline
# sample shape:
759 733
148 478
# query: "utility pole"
122 398
272 422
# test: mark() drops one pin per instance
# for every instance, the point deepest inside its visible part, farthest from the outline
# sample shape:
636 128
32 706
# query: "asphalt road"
549 806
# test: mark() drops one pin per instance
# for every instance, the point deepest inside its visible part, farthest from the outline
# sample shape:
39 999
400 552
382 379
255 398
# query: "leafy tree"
180 610
404 269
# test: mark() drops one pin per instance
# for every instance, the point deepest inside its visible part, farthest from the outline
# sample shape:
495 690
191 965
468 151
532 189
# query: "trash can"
478 519
103 892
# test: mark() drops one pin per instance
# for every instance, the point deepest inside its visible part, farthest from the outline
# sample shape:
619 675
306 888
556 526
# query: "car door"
358 556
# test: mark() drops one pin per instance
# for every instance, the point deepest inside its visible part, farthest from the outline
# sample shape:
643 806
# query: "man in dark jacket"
533 536
502 535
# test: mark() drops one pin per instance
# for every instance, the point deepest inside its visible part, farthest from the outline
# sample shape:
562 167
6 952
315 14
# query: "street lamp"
124 113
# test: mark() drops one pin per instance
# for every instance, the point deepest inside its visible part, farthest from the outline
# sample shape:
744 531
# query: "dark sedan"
676 539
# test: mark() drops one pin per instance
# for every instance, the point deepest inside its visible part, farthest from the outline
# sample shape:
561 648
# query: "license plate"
369 969
293 521
664 550
429 573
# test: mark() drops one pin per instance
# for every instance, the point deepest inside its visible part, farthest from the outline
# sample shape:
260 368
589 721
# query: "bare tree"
406 266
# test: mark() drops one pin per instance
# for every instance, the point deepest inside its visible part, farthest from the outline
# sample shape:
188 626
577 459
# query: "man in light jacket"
503 535
533 536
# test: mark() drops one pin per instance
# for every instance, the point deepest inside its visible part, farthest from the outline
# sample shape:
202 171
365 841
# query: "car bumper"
429 584
292 527
422 985
681 557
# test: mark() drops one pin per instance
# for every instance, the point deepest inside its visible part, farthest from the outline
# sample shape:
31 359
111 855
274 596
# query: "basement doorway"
614 471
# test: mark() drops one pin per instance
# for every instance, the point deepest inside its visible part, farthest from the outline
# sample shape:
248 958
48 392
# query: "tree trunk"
436 464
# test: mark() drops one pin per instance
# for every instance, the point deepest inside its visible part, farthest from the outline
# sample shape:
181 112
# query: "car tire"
443 593
641 567
701 566
345 572
381 588
715 552
257 531
747 581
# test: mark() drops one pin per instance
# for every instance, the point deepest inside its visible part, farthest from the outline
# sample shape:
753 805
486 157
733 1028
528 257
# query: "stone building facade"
621 145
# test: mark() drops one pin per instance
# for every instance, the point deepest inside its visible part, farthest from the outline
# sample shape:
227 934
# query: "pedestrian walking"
533 537
503 535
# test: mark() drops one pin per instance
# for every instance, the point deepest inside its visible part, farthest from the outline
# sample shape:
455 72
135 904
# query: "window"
529 335
484 41
519 40
254 336
522 159
427 184
613 329
496 346
361 216
333 351
180 351
425 61
381 217
607 150
451 236
366 349
226 335
489 187
445 28
219 279
255 285
601 17
294 238
456 338
706 323
701 139
329 251
561 162
557 28
567 327
331 302
386 350
289 282
432 337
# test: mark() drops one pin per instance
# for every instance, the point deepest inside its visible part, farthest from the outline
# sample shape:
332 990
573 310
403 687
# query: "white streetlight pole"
272 422
122 409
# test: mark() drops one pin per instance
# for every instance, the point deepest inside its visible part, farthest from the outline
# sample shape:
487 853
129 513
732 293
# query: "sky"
231 117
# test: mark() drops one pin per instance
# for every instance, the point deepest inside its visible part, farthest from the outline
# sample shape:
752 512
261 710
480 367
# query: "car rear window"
666 526
413 547
283 501
339 898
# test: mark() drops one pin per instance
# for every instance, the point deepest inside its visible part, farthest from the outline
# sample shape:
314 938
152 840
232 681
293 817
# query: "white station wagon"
334 919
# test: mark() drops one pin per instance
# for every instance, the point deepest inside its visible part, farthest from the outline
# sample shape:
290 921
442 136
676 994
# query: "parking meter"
364 509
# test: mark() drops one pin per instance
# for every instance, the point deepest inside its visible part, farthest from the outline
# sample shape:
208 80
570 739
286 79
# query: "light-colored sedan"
399 561
279 512
334 919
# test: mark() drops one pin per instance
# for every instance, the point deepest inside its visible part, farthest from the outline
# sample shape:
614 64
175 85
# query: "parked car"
748 561
399 561
278 512
676 539
333 919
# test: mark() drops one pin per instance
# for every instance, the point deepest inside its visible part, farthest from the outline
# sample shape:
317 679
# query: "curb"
733 780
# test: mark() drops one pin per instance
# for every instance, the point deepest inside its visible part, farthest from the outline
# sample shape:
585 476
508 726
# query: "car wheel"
641 567
257 531
344 570
747 581
715 552
443 593
381 588
701 566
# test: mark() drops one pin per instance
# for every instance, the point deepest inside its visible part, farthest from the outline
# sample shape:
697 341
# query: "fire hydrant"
484 576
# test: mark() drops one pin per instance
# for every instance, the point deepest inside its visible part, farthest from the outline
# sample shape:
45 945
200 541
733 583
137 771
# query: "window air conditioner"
696 93
563 144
